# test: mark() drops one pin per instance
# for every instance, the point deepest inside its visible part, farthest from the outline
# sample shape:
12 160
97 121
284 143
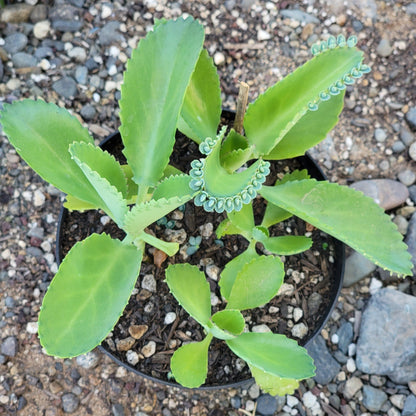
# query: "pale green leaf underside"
101 162
74 204
191 289
227 324
311 129
227 227
256 283
177 185
110 200
152 94
347 215
87 295
201 109
273 385
273 353
41 134
146 213
232 268
270 117
285 245
189 363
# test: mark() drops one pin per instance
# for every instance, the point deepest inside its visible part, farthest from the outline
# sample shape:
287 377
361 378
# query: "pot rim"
316 172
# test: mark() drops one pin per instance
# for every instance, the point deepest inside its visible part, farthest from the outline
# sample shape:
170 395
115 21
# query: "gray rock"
367 8
373 399
88 360
326 366
398 146
409 408
88 112
66 87
67 25
117 409
109 34
43 52
410 239
411 118
407 177
266 405
411 8
15 42
314 302
1 70
81 74
23 60
412 151
356 268
299 15
387 193
70 402
77 3
9 346
149 283
16 13
39 13
9 302
412 193
384 48
387 336
351 387
380 135
406 136
345 335
402 224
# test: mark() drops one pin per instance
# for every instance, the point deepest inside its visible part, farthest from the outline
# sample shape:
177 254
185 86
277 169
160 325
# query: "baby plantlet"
171 83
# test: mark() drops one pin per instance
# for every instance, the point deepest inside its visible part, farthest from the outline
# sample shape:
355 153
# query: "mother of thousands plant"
171 83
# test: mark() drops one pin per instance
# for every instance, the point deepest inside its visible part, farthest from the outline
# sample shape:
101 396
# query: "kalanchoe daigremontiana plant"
171 83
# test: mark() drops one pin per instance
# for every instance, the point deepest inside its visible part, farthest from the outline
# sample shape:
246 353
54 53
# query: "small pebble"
125 344
149 349
262 328
380 135
70 402
299 330
412 151
219 58
88 360
149 283
170 318
137 331
132 357
32 327
407 177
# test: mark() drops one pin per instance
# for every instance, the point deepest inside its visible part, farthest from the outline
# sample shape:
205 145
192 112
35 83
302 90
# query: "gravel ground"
73 53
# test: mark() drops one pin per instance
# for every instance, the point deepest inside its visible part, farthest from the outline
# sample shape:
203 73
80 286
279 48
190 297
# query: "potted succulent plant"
171 83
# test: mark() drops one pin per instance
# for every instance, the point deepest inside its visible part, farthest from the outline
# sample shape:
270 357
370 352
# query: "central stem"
241 107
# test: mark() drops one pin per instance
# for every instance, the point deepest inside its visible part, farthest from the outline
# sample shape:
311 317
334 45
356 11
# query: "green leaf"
146 213
41 134
243 219
256 283
101 162
274 385
110 199
229 274
191 290
274 113
227 324
273 353
152 94
74 204
311 129
227 227
87 295
274 214
234 151
189 363
172 186
201 109
284 245
170 248
347 215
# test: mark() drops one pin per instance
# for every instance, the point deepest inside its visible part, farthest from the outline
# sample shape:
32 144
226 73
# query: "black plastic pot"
315 172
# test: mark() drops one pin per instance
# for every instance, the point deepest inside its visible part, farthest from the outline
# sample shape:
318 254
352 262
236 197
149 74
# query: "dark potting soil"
309 277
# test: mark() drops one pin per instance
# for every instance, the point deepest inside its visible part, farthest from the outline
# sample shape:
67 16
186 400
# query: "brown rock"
137 331
149 349
16 13
125 344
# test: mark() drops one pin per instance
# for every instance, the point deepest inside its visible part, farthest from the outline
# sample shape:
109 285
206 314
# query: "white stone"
170 318
375 285
32 327
13 84
219 58
41 29
149 283
206 230
132 357
105 219
214 299
78 53
351 367
149 349
46 246
352 349
299 330
263 35
38 198
335 339
106 11
45 64
292 401
297 314
261 328
212 271
286 290
309 399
